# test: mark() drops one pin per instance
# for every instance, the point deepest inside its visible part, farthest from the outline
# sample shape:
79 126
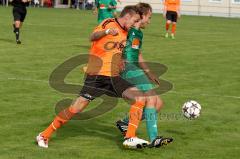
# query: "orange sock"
174 28
134 119
167 26
64 116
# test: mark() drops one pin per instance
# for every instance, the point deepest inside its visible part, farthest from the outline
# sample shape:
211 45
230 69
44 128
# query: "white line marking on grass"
27 79
173 92
204 94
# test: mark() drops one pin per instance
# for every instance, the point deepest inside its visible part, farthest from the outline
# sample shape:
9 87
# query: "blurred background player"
103 77
105 9
19 13
171 12
138 73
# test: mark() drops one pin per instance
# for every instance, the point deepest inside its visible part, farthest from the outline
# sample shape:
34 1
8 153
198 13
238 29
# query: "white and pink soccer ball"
191 109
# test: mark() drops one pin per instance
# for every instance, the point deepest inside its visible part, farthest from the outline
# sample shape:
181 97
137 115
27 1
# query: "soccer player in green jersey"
137 72
106 9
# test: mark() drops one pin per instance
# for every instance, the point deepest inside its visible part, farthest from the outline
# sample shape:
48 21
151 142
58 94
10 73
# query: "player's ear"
127 16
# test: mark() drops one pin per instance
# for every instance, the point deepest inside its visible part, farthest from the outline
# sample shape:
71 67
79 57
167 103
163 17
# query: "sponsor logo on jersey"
102 6
135 43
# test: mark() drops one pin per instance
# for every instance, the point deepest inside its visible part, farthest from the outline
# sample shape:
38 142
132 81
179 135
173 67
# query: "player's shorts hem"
172 16
97 85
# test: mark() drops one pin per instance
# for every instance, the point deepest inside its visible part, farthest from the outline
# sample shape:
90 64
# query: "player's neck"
121 22
137 26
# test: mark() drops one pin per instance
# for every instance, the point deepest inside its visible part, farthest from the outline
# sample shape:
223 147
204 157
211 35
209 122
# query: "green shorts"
136 76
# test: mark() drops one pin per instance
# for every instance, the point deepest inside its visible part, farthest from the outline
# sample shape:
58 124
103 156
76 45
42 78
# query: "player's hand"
111 7
164 15
122 65
179 16
153 78
112 31
95 11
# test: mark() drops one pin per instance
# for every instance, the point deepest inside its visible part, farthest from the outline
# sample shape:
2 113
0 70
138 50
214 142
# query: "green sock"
151 122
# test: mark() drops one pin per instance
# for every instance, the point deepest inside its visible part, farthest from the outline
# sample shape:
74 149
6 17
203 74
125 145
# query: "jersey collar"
120 25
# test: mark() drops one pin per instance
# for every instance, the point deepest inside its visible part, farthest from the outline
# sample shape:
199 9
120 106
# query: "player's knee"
150 102
159 104
17 24
140 98
79 104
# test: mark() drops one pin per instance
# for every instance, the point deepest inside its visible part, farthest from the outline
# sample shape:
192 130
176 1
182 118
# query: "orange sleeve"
106 24
178 3
98 28
165 3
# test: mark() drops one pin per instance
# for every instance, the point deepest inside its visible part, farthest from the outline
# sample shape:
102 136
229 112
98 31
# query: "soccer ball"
191 109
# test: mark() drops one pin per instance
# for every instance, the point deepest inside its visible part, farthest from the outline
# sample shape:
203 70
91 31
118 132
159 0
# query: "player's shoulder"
108 23
134 32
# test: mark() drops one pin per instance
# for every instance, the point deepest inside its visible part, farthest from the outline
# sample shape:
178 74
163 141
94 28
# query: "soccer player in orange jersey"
171 12
108 42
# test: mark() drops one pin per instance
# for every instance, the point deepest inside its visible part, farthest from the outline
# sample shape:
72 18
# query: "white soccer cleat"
41 141
135 142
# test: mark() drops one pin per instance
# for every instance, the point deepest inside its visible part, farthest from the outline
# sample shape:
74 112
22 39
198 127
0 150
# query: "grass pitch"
203 64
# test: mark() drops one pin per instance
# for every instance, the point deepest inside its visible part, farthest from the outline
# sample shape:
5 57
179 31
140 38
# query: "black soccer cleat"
18 42
160 141
122 126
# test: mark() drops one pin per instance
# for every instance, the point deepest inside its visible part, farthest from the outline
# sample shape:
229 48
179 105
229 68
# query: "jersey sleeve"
178 4
106 24
135 40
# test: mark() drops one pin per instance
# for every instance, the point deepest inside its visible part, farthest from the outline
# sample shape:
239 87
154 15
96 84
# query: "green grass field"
203 64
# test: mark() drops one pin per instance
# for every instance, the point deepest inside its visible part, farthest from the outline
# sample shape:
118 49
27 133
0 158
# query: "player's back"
19 4
106 53
172 5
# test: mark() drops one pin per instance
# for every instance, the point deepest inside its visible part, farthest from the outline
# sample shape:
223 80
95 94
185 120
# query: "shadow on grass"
82 46
7 40
177 132
92 129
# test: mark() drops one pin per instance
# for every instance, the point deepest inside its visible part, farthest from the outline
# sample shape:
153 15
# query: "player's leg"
89 92
19 16
16 23
168 23
63 117
138 78
174 25
135 115
150 113
126 90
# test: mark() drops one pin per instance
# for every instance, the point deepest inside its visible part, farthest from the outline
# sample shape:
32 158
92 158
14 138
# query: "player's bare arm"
146 69
178 13
164 10
100 34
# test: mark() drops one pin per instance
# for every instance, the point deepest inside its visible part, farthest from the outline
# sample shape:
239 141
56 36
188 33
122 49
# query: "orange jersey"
106 53
172 5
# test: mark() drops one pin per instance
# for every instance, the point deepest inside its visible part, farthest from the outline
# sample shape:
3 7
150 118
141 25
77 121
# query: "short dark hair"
130 9
144 8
